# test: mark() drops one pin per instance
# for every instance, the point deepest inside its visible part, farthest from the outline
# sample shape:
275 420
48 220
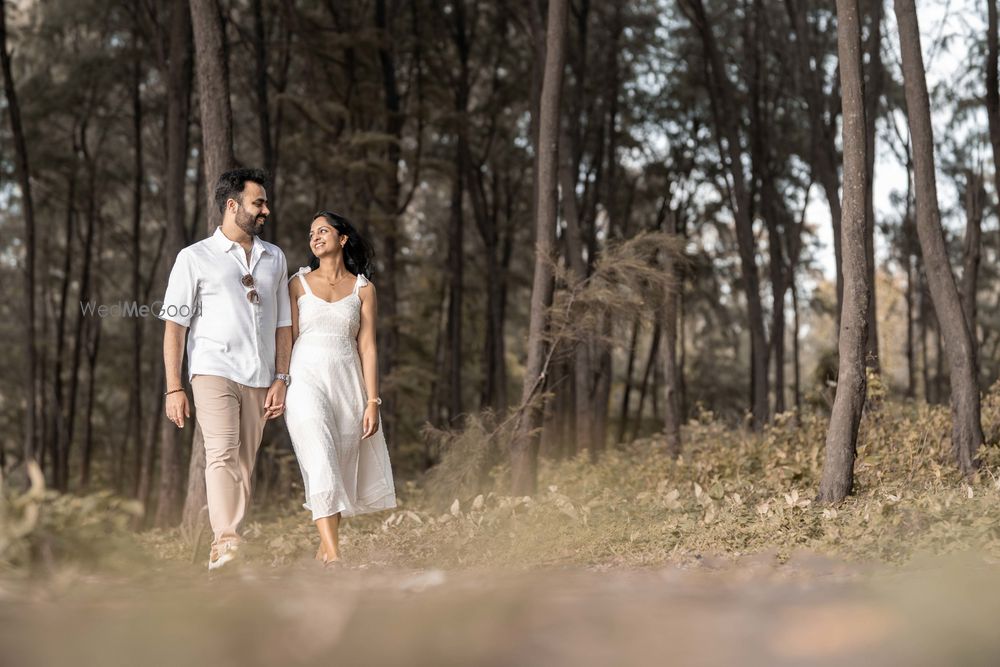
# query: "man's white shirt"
229 335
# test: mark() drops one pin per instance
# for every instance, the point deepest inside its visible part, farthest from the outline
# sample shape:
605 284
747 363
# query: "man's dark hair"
232 182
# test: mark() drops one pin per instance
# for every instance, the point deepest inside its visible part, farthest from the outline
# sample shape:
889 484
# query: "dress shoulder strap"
360 282
302 277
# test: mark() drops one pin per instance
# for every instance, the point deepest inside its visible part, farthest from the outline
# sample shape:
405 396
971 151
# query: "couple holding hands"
262 345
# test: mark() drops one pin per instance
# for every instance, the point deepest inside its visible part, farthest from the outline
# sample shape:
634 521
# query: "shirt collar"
225 244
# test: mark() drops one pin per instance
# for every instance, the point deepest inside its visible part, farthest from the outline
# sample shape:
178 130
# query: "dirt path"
809 611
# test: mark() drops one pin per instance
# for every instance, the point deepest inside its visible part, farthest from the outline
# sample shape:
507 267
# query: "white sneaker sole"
221 560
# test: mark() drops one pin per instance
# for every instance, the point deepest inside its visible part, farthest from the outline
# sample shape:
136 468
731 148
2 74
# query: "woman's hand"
177 407
370 422
274 402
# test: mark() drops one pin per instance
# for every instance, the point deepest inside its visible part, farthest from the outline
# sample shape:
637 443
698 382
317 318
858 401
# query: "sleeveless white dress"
324 408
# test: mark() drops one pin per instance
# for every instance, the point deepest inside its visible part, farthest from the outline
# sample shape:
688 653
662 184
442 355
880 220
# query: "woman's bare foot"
321 556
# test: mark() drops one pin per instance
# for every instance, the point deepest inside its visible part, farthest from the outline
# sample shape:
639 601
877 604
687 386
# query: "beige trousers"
231 417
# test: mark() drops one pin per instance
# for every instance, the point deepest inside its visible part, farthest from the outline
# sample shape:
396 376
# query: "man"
230 291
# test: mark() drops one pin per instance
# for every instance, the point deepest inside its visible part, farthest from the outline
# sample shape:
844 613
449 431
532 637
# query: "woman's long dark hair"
358 252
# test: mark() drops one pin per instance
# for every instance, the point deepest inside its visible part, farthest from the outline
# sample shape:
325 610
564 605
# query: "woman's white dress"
324 408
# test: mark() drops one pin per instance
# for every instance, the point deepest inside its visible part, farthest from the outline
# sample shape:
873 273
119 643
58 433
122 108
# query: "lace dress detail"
324 408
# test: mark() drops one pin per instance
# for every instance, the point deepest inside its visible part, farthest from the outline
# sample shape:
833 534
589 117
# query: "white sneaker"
222 554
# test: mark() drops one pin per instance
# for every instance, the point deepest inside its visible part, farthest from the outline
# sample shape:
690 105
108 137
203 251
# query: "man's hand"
274 403
370 421
177 408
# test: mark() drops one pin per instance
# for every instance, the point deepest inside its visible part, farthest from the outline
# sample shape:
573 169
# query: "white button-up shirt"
229 335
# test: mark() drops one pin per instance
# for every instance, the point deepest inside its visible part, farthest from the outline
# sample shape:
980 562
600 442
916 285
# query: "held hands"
370 423
177 408
274 402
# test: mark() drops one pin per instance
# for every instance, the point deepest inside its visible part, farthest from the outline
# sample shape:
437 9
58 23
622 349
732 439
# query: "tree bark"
456 265
926 315
58 408
975 200
179 76
627 389
583 361
23 171
770 201
456 226
388 334
135 399
654 346
873 94
967 433
61 455
912 281
92 342
993 87
524 448
212 71
268 154
671 372
841 440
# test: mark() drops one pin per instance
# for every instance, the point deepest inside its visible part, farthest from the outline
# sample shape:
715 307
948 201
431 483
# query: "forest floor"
721 557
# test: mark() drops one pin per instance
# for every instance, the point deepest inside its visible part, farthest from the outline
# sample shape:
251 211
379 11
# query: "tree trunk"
267 152
671 372
456 226
925 317
993 87
92 342
967 433
822 130
720 90
179 76
58 407
975 200
583 361
212 70
61 456
434 410
524 448
456 266
794 246
627 389
771 205
654 344
912 282
135 399
841 439
795 349
911 358
23 171
217 148
873 94
388 333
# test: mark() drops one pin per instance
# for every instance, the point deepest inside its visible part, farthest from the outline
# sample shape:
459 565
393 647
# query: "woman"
331 407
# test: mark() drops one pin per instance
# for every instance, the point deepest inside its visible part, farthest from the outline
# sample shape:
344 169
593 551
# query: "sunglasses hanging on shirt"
252 295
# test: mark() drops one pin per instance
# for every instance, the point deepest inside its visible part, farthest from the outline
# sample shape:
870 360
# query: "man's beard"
251 226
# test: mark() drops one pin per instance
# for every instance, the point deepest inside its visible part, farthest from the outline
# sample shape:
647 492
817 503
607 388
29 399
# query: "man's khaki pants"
231 417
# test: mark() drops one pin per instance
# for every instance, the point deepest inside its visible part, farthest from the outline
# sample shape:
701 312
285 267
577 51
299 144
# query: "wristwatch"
284 377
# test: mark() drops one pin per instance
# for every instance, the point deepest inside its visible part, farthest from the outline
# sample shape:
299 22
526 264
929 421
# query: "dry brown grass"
732 493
